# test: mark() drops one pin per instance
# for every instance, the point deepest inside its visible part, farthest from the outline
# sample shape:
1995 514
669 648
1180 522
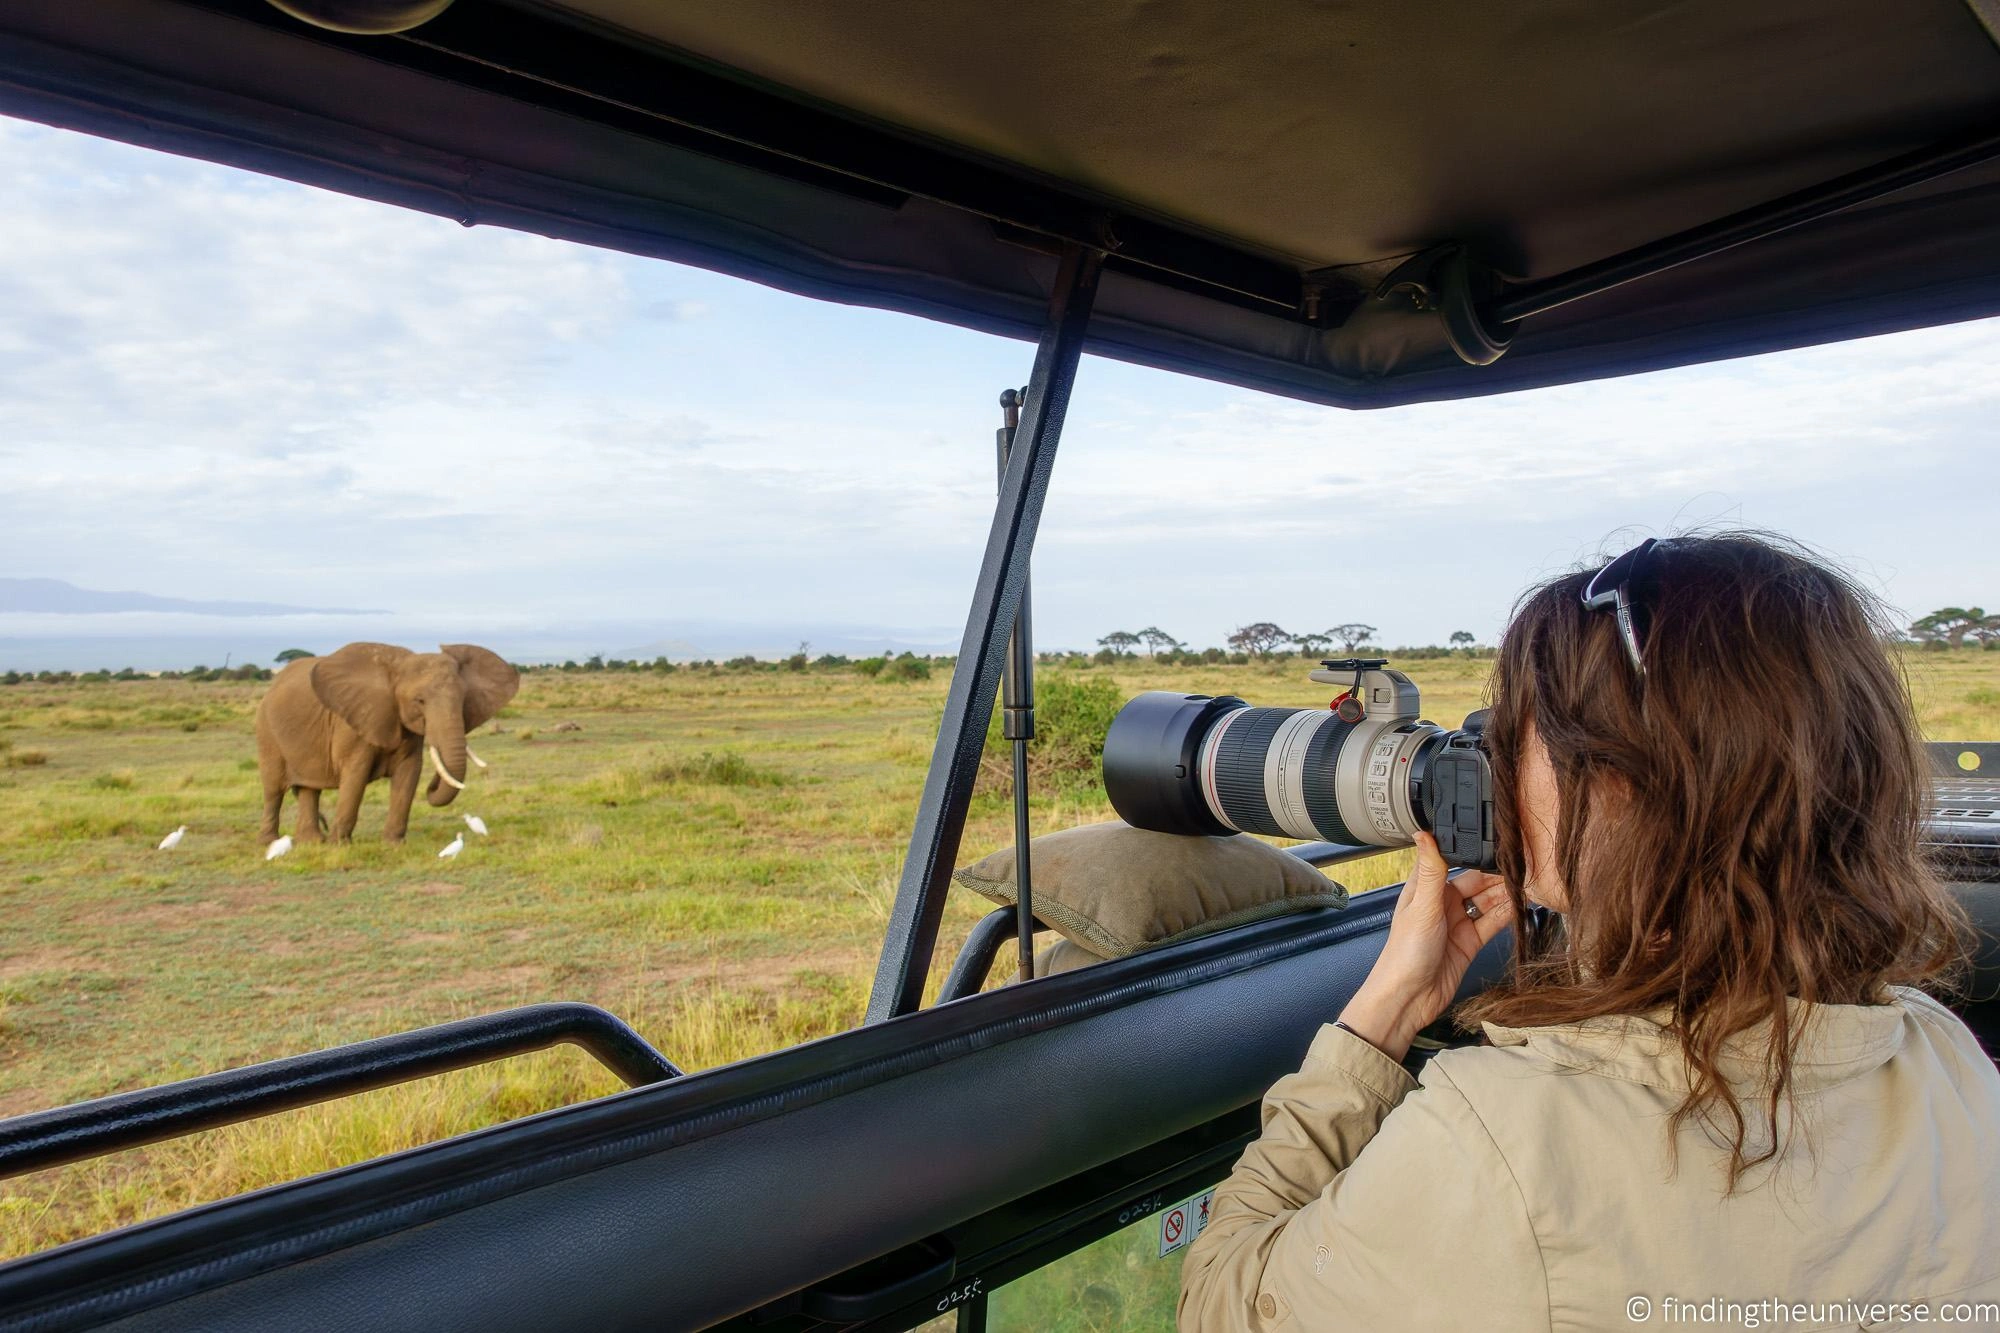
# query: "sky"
216 385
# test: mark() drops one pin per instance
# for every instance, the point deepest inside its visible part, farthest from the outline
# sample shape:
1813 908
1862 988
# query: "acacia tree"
1952 624
293 655
1461 638
1312 645
1119 641
1352 635
1156 638
1259 639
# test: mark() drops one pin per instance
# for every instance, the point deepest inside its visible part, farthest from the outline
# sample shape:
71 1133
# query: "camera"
1366 771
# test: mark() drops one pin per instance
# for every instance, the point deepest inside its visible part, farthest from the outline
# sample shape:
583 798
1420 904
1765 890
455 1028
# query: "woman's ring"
1472 912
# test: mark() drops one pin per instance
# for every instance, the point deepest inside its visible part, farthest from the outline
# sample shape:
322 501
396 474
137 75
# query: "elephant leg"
308 820
353 784
273 776
402 792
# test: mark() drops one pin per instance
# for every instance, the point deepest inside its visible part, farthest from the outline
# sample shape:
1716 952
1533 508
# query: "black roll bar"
975 679
975 957
132 1119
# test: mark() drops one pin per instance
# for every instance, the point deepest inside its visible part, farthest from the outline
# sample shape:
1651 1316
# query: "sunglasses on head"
1614 588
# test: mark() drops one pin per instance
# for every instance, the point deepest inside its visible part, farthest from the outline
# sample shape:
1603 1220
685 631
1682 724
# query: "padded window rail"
132 1119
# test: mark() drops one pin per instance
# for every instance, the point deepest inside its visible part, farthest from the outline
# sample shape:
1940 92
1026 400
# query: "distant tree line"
200 673
888 666
1265 639
1947 627
1951 626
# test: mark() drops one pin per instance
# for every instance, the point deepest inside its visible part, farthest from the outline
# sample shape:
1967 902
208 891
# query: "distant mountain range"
53 596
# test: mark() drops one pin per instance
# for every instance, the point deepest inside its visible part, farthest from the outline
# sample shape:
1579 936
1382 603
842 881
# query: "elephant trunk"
444 747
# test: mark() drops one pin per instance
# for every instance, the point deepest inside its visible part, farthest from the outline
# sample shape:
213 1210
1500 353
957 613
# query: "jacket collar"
1839 1042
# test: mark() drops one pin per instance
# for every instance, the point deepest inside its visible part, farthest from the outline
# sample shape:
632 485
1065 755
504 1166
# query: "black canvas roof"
1253 169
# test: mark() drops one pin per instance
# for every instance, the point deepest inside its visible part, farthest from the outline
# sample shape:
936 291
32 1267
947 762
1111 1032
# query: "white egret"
477 825
173 840
278 848
452 848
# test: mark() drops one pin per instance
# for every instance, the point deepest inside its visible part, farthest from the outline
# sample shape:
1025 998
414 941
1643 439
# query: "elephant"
368 711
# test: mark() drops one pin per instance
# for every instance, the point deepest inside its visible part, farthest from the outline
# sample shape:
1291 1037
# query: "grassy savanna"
711 855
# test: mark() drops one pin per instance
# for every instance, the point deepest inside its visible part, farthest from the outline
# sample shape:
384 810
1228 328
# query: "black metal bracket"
131 1119
1445 280
975 680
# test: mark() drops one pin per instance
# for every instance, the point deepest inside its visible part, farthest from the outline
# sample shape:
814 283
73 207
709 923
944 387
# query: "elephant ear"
489 681
357 684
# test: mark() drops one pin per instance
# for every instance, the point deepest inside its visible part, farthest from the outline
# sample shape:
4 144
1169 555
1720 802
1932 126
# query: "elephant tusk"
473 757
448 778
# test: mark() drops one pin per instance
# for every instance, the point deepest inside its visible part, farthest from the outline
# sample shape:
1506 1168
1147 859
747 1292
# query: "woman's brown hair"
1738 827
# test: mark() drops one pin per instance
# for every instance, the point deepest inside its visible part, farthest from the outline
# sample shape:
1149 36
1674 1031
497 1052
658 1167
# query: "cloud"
1821 414
184 304
220 385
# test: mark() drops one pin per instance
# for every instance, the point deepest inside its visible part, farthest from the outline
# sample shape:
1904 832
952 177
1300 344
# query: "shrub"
830 660
871 666
908 666
23 758
1072 713
727 769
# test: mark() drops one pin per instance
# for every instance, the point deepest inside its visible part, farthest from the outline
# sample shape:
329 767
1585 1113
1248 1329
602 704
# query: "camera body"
1367 771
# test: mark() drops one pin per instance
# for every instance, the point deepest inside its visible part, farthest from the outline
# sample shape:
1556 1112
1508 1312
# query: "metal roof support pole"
975 680
1017 722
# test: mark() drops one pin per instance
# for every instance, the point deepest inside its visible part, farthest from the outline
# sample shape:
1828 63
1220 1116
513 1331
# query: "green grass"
710 855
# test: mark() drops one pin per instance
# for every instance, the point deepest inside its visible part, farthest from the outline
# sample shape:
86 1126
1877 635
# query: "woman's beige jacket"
1528 1185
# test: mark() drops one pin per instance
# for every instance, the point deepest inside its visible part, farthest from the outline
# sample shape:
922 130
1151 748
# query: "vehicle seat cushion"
1112 889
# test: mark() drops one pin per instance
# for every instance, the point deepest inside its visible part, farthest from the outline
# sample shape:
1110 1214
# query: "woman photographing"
1714 1073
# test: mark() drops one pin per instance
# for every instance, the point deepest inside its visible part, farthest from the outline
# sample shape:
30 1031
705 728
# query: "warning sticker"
1183 1222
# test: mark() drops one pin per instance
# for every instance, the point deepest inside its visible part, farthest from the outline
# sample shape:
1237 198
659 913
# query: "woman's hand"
1431 943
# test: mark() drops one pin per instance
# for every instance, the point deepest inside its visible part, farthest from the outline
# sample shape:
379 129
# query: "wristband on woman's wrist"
1341 1023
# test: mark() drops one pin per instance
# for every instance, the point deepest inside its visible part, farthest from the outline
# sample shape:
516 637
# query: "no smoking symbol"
1176 1222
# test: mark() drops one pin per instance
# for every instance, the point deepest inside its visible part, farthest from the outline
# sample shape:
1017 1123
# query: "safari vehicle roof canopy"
1362 206
1253 172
